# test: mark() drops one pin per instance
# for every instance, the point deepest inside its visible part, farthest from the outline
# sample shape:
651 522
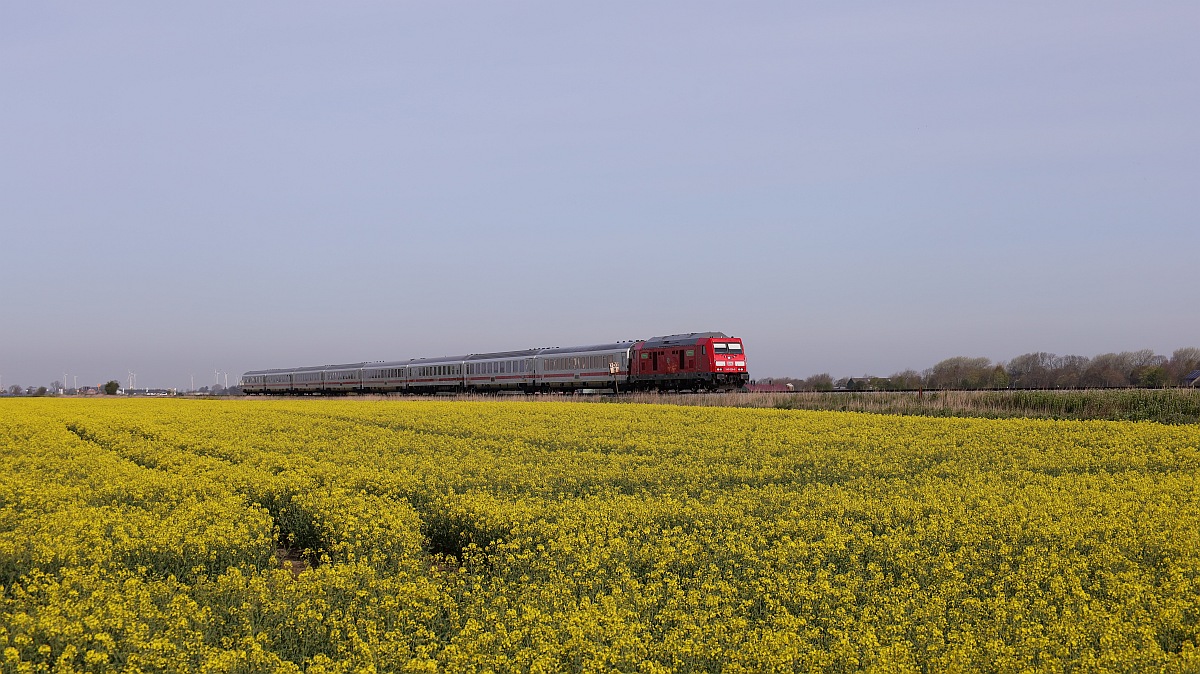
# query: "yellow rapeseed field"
348 536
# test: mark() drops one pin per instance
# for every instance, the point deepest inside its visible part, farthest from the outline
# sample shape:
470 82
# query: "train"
696 361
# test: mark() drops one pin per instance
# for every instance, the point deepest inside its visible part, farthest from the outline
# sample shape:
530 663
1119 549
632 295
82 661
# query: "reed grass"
1166 406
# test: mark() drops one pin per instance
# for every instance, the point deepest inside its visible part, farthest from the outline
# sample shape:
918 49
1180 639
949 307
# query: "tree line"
1040 370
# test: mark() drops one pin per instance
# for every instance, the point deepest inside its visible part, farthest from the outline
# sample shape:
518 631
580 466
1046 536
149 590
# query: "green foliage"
111 387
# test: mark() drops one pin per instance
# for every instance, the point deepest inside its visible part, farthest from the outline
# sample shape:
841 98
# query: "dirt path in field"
291 560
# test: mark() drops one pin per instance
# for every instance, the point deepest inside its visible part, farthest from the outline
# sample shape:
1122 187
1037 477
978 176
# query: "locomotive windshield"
727 347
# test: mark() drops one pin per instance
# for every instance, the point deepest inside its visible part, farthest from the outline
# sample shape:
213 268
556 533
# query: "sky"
852 188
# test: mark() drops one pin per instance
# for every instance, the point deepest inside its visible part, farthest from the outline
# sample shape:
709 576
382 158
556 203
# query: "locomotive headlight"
720 363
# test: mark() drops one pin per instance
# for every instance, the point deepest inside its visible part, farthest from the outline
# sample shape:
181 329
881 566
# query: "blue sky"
851 187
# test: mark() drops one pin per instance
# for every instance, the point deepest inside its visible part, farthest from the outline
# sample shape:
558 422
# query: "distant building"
1192 378
867 383
152 392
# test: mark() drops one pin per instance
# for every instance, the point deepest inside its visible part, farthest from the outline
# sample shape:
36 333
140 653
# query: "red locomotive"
708 360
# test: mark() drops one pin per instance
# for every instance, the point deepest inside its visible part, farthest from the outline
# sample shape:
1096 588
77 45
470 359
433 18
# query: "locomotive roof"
687 339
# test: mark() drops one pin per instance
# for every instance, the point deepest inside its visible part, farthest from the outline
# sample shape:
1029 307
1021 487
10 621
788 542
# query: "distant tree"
112 387
1068 371
908 380
960 372
15 389
1182 363
1107 369
999 377
1031 370
1144 358
41 391
822 381
1152 376
819 382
